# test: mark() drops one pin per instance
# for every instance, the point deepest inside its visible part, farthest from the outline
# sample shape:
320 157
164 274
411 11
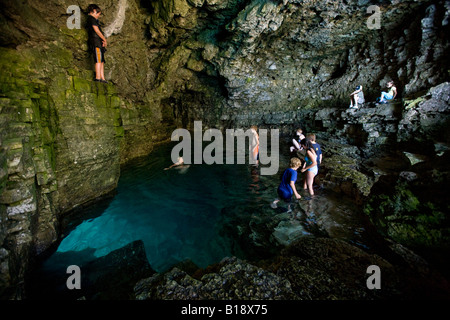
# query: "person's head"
299 131
94 10
359 88
390 84
254 128
311 137
306 144
295 163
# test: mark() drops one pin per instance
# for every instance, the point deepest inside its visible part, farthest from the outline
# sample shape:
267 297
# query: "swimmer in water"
179 162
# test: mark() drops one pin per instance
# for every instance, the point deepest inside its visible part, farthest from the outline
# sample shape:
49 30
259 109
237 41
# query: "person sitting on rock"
386 96
356 97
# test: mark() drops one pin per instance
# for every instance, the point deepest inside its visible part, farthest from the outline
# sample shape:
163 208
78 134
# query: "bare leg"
102 71
98 71
309 181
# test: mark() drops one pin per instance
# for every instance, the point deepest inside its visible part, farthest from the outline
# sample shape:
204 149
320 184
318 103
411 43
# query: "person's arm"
357 91
297 195
99 33
395 93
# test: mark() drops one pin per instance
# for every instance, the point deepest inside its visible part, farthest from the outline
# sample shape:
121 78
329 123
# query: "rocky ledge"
310 268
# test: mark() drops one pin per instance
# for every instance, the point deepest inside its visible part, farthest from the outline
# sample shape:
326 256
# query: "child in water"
179 162
287 186
255 144
310 165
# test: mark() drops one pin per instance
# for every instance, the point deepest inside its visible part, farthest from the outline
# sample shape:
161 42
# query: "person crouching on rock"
287 189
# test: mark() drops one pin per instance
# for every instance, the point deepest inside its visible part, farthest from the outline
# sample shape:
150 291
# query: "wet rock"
234 280
321 268
308 269
410 208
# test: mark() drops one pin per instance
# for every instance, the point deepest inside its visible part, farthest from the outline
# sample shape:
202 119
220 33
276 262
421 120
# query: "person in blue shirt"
318 150
287 189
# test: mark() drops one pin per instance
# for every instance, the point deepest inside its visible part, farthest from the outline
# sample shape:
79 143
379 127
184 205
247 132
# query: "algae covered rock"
411 208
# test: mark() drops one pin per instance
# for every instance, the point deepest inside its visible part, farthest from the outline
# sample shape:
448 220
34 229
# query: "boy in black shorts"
97 41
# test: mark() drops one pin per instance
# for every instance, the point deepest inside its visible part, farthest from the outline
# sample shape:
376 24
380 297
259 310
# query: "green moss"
401 215
81 85
409 104
343 168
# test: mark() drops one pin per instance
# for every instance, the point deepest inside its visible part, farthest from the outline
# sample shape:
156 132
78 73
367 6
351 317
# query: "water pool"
200 213
174 212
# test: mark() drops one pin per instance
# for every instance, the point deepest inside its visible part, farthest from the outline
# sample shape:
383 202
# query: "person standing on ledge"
97 41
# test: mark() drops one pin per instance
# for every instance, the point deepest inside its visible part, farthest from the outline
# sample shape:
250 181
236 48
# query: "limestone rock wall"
60 147
63 137
294 55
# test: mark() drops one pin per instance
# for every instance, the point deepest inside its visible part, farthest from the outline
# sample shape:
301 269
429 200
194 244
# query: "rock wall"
302 54
60 147
63 137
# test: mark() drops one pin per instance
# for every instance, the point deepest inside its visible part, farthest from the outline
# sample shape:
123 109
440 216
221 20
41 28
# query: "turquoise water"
202 213
176 213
